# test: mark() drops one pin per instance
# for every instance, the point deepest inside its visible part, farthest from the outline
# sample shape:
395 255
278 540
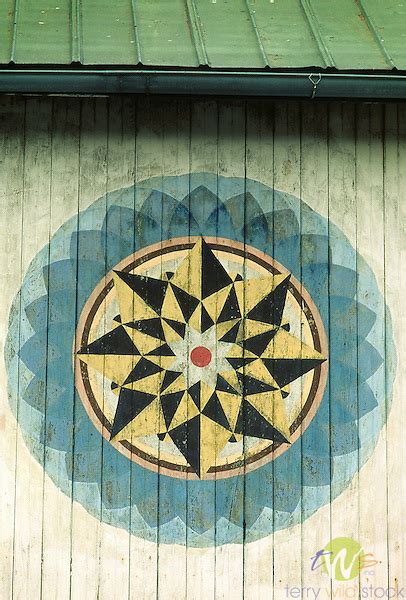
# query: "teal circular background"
58 431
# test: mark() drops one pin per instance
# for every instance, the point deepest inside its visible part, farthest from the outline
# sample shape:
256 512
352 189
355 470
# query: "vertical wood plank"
203 159
29 473
287 179
64 203
175 148
314 265
85 551
229 568
343 213
120 162
258 563
144 555
370 244
12 120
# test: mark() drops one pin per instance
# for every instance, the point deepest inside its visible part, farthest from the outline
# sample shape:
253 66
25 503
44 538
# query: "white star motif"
192 372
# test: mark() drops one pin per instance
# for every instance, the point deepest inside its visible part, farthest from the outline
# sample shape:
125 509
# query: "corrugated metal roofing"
345 34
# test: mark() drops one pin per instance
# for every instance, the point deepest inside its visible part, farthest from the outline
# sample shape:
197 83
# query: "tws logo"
342 559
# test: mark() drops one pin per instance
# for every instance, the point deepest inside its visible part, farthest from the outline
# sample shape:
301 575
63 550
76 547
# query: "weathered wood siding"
348 163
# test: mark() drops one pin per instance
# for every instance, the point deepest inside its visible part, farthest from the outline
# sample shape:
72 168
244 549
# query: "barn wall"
347 162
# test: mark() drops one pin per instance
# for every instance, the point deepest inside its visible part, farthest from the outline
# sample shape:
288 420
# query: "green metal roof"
230 34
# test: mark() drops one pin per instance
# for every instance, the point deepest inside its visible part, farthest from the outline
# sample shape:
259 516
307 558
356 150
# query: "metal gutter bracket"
315 83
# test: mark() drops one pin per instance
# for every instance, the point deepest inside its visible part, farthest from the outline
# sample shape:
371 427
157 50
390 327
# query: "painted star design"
200 357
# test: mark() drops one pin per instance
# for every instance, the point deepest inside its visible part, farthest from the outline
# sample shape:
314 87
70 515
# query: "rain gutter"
84 81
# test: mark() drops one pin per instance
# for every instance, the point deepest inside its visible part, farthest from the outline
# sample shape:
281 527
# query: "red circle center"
200 356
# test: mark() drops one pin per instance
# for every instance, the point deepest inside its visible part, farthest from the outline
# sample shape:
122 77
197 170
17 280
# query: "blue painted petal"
84 466
35 393
287 493
230 503
259 485
366 319
285 224
287 252
117 249
343 340
343 398
60 275
288 476
255 502
159 207
316 442
147 506
38 392
369 360
119 221
345 409
256 232
219 223
58 434
167 499
316 471
366 400
115 490
315 249
58 306
182 223
315 276
310 220
346 311
61 370
242 209
148 230
360 365
37 313
89 273
343 282
315 280
89 245
344 438
37 352
201 202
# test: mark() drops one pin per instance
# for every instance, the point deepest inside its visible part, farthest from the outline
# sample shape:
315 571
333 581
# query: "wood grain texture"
347 163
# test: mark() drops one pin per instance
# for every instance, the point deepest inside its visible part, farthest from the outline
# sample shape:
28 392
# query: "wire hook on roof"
315 83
